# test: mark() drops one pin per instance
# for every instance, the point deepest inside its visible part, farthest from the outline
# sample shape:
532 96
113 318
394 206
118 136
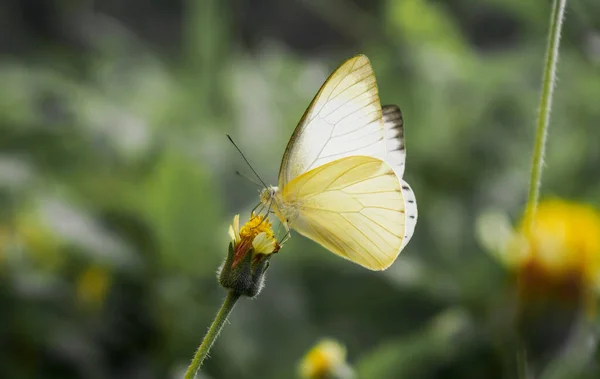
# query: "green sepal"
248 275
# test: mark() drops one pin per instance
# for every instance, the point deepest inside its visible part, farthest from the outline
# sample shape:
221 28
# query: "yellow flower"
256 233
255 226
327 359
557 252
554 257
248 255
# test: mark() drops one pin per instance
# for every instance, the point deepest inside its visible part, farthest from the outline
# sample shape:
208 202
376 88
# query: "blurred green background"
117 183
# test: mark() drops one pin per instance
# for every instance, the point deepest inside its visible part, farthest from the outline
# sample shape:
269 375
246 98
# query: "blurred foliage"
117 182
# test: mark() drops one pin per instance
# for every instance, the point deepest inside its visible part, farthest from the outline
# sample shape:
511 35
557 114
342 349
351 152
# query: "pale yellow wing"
353 206
344 119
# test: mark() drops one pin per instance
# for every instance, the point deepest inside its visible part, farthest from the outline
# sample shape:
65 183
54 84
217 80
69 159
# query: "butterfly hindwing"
410 203
354 207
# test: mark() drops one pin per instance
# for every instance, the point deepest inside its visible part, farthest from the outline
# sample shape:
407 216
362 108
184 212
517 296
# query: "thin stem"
212 334
558 10
548 84
522 367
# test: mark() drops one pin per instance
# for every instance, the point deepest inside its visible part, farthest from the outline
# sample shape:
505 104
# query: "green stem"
558 10
522 367
213 333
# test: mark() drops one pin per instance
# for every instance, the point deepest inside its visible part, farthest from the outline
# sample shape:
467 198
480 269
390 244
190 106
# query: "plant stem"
212 334
522 367
558 10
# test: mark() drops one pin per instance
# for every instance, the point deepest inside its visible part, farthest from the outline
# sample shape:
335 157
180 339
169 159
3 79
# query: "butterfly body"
285 210
340 181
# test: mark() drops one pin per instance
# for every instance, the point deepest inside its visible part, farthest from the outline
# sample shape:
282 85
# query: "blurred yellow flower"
557 252
92 286
42 245
327 359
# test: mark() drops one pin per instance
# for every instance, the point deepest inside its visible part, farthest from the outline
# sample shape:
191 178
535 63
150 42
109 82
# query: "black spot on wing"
392 116
394 124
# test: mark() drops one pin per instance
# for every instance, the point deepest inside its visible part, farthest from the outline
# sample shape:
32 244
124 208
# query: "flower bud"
248 255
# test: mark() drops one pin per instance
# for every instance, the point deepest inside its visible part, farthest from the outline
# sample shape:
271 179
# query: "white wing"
410 204
393 126
345 119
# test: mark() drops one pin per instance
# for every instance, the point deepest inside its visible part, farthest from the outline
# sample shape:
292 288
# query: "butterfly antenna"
248 178
245 159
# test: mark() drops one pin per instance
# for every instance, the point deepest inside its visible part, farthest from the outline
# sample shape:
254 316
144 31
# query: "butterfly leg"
287 234
266 215
261 205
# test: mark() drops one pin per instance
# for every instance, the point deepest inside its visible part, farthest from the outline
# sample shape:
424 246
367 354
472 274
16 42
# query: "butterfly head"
268 194
270 198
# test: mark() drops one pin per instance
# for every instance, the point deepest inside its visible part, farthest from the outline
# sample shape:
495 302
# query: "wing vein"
373 242
347 101
350 151
369 239
359 211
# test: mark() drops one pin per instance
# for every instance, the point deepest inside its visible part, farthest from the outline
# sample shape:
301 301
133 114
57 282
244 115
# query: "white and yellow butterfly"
340 181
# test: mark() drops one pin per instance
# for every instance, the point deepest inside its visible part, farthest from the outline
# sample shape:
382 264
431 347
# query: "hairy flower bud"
248 255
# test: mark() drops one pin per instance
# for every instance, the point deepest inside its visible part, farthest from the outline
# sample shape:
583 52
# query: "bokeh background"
117 183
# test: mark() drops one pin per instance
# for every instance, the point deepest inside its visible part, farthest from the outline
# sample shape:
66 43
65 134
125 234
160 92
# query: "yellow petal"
263 244
236 228
231 233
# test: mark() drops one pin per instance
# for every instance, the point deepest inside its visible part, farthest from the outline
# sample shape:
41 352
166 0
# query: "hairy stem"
558 10
212 334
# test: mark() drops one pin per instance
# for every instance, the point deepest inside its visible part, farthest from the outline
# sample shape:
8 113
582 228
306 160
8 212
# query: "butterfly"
340 181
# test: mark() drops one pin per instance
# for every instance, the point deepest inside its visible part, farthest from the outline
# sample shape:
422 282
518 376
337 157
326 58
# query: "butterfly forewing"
393 125
343 119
